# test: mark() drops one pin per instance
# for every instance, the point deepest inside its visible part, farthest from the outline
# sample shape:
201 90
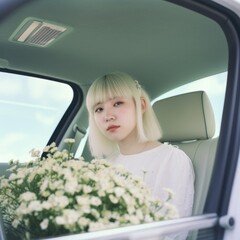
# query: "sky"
25 104
31 108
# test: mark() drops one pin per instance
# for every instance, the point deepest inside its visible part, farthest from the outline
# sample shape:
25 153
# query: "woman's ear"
143 104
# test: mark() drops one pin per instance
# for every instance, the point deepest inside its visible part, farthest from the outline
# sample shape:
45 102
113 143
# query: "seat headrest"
185 117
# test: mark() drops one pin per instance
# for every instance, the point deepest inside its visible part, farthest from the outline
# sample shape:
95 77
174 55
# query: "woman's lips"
112 128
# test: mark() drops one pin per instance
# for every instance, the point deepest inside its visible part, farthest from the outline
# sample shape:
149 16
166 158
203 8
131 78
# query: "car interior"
162 44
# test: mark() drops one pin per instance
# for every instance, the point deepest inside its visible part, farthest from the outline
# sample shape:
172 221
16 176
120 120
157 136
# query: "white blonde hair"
118 84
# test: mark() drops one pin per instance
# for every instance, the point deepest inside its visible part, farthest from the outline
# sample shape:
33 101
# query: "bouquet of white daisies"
56 194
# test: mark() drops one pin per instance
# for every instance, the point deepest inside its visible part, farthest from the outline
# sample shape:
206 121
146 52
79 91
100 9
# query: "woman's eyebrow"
111 98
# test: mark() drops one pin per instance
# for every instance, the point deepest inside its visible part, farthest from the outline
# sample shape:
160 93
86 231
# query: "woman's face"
116 118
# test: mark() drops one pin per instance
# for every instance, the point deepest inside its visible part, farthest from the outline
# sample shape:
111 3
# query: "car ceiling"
158 42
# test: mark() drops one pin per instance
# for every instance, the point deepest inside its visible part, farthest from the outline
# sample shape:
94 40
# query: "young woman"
125 130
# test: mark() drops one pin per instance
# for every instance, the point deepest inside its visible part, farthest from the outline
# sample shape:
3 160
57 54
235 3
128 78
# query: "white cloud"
9 87
11 139
17 145
10 144
28 105
214 85
49 90
47 120
64 93
7 156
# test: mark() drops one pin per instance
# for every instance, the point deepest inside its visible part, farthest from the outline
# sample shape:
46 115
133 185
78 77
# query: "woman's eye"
116 104
98 110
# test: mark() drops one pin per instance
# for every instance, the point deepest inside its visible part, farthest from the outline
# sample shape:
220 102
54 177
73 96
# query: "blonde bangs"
107 88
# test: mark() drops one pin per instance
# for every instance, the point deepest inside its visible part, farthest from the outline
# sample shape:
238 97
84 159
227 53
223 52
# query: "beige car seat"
187 120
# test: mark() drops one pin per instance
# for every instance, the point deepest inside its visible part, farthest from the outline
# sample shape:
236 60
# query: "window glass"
30 109
214 86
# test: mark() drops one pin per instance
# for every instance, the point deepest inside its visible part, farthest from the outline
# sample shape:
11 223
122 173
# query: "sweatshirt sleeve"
184 185
179 177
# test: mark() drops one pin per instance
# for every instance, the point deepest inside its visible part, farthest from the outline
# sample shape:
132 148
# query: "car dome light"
37 32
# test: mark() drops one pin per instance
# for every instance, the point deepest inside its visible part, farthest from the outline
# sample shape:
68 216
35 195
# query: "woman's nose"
109 117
